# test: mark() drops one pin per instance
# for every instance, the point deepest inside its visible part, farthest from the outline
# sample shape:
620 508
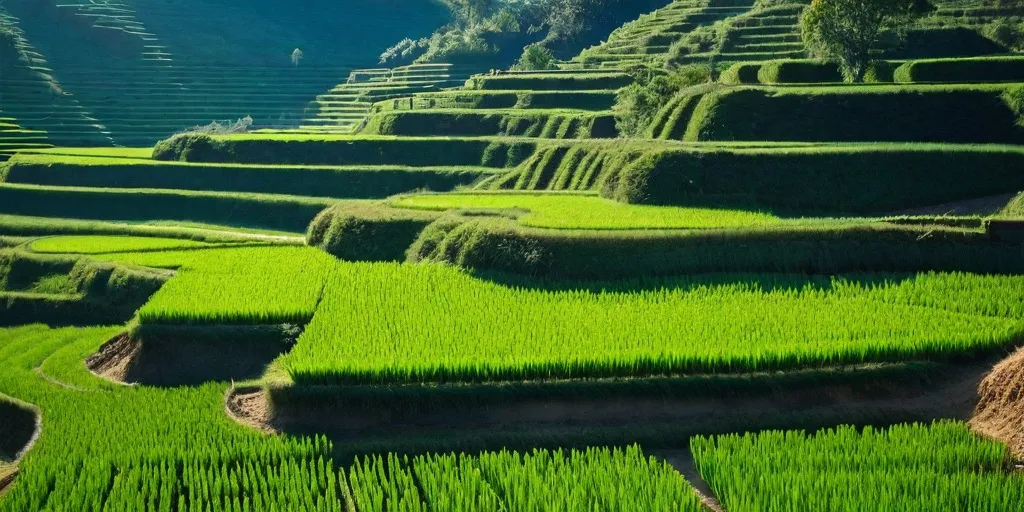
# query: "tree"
843 31
535 57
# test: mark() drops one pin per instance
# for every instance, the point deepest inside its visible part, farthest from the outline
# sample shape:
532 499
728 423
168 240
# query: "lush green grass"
595 479
384 323
266 211
813 247
924 113
96 244
573 211
542 123
939 467
363 181
28 227
979 69
253 285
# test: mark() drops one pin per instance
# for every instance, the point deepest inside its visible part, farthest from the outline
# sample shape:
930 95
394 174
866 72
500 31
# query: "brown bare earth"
1000 411
114 359
683 461
249 407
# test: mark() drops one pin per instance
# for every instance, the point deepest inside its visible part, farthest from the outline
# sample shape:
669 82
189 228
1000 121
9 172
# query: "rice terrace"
511 255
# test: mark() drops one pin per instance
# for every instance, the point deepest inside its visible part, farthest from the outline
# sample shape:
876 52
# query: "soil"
249 407
655 422
115 358
682 461
981 206
1000 411
185 356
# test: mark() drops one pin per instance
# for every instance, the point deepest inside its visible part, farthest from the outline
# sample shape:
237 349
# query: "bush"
215 128
637 106
1014 98
1006 33
535 58
188 147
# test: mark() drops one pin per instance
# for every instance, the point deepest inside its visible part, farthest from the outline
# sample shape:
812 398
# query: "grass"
266 211
96 244
384 323
937 467
574 211
26 227
360 181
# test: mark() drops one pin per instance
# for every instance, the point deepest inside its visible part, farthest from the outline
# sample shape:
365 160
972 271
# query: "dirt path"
682 461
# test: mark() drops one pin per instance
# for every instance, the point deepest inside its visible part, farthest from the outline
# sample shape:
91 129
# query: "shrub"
535 57
1006 33
637 106
188 147
1014 98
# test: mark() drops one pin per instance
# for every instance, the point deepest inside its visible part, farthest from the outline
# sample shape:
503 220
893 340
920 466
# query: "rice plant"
148 449
607 479
938 467
251 285
384 323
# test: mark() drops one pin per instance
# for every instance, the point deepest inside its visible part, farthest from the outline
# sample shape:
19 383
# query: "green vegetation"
70 291
637 104
106 244
236 286
940 467
815 248
147 448
275 212
601 478
550 124
844 31
922 113
973 70
21 227
385 323
568 211
360 181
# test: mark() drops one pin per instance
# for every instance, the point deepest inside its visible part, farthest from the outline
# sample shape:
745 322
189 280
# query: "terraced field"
451 288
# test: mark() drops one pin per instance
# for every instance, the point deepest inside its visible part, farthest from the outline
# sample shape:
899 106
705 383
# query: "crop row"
251 285
386 323
938 467
110 447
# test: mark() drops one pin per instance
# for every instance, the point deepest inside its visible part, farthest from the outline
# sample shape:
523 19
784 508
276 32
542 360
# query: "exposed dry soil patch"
1000 411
